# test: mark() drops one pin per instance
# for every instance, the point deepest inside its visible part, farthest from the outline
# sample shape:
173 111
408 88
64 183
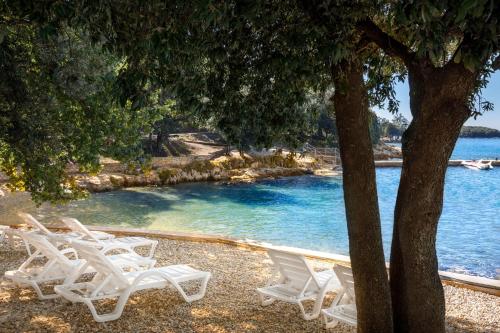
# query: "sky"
490 93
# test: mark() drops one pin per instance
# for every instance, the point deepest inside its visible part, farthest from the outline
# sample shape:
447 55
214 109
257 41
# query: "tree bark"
439 105
361 203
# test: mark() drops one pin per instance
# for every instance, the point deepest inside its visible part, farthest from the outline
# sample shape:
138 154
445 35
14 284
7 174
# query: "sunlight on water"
305 212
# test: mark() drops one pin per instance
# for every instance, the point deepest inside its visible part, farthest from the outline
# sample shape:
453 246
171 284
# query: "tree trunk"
159 143
361 203
439 105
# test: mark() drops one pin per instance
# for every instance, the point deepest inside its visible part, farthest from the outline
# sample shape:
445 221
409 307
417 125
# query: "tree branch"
496 63
387 43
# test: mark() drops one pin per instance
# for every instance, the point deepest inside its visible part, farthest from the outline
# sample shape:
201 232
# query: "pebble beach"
230 305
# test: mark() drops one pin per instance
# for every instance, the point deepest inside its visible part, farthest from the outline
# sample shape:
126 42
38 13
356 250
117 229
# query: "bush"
200 166
166 174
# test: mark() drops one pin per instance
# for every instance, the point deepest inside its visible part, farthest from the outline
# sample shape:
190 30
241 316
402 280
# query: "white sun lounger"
131 242
112 282
298 282
40 228
58 266
343 308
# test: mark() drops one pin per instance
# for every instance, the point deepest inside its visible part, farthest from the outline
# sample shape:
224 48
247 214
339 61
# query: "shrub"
166 174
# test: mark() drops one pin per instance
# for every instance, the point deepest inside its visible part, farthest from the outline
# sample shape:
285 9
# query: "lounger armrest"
146 274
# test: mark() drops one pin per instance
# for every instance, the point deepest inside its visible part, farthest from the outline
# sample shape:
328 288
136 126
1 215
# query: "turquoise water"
308 212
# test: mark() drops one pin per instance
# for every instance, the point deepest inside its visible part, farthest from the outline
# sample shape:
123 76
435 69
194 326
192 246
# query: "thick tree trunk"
439 106
360 195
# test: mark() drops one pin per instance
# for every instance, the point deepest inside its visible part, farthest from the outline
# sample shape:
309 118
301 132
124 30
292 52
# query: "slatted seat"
112 282
343 307
127 242
298 282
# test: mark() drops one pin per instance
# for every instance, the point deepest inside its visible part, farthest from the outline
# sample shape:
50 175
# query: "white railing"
326 155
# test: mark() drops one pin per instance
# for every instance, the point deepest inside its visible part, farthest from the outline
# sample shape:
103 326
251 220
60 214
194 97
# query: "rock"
234 168
116 180
326 172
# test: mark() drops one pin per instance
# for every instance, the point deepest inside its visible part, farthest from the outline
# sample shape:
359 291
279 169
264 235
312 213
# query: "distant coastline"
479 132
471 132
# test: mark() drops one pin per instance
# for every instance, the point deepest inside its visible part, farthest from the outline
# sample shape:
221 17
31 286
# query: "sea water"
309 212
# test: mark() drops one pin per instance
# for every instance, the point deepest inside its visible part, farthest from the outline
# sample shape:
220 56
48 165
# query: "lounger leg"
97 317
199 295
11 239
330 322
117 312
312 315
40 294
265 301
152 250
318 304
341 298
27 245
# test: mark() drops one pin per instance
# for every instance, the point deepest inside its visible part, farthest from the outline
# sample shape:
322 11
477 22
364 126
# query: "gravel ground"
231 304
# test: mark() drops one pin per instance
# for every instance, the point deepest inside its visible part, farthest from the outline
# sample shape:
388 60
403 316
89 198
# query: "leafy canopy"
247 67
57 108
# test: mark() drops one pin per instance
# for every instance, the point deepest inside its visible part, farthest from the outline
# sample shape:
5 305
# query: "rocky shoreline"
110 182
232 168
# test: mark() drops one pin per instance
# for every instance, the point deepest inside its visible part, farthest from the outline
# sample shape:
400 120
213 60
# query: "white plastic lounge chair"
112 282
35 224
37 227
59 266
298 282
343 308
131 242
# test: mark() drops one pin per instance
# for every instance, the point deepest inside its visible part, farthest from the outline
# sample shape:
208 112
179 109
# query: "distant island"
479 132
392 130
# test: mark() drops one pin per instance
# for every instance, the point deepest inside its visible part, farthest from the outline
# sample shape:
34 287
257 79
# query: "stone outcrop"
383 151
232 169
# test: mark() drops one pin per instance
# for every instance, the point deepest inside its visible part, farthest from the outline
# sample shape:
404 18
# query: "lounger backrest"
95 258
344 274
46 248
29 219
76 226
294 268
